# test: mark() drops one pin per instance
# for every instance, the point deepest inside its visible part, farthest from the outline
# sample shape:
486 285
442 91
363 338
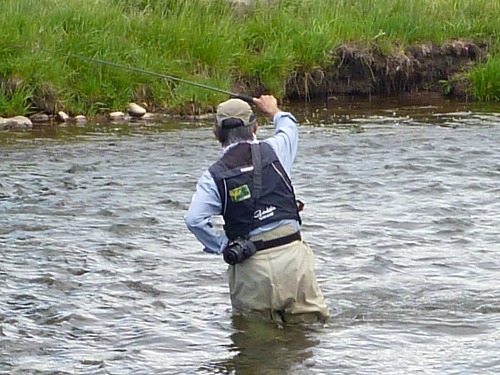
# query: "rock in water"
40 118
135 110
80 119
16 123
117 116
62 116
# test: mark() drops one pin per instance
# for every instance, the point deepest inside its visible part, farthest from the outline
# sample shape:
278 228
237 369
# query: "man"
271 269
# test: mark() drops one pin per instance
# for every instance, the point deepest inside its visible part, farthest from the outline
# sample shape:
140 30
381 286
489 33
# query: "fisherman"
271 268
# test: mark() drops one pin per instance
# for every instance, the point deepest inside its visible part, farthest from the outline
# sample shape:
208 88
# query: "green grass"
485 80
209 42
15 103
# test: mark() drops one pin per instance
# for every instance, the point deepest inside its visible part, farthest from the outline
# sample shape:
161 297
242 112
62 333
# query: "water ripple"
99 275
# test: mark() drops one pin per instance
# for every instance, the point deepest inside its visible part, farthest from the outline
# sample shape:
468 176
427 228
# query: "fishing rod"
246 98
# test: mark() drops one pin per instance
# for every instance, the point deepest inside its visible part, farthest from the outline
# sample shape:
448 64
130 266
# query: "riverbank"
306 49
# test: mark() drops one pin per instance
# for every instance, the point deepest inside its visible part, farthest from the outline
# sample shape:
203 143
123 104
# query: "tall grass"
206 41
15 103
485 80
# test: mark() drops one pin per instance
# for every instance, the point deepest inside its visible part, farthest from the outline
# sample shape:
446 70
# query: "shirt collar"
227 148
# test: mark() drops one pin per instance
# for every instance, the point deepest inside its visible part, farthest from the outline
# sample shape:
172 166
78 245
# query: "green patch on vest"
240 193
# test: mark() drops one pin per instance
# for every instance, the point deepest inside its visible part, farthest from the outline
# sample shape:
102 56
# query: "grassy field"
210 42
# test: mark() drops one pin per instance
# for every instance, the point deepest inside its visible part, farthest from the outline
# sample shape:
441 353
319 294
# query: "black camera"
239 250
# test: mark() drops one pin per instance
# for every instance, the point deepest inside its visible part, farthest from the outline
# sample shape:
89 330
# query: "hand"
267 104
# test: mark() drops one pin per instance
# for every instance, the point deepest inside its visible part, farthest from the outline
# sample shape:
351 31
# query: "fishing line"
246 98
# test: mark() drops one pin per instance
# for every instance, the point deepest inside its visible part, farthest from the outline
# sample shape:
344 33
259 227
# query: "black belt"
263 245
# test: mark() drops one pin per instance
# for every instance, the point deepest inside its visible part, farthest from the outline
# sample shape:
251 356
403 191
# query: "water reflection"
264 347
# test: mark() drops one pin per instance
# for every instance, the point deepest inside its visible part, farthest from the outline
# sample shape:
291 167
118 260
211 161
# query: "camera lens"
231 255
238 251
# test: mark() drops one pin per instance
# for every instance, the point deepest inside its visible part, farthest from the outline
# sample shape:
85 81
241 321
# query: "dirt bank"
353 69
360 70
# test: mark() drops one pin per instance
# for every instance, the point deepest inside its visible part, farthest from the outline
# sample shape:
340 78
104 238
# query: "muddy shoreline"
365 70
355 70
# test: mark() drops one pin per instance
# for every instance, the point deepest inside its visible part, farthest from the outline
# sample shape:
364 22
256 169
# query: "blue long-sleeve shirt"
206 201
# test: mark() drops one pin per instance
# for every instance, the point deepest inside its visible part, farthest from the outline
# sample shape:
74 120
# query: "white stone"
116 116
21 123
62 116
16 123
4 123
80 119
136 110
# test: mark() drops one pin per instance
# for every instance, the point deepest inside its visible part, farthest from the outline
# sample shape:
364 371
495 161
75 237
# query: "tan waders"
279 282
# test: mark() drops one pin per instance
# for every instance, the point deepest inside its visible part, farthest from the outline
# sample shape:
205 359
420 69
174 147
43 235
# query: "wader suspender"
257 170
257 187
257 177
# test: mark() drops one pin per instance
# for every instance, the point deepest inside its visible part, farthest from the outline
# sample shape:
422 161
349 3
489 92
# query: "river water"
98 274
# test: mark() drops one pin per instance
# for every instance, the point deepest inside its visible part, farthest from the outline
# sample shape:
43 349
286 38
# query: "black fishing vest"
244 205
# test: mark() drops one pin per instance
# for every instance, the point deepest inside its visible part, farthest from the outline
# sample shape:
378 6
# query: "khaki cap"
233 113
